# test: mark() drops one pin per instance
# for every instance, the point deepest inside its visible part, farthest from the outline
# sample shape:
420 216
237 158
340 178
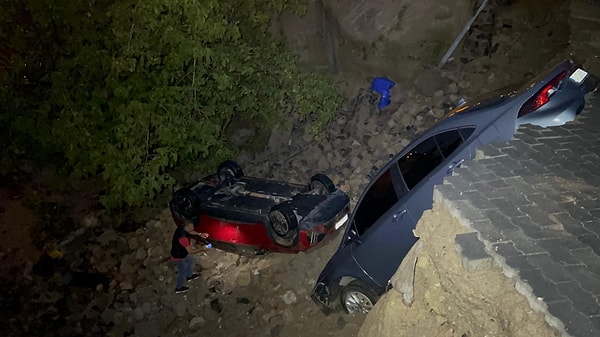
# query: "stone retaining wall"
533 203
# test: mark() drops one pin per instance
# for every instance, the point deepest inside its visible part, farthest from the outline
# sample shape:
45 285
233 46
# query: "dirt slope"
450 301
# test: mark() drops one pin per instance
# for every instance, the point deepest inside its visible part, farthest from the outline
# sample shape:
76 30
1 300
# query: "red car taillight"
543 96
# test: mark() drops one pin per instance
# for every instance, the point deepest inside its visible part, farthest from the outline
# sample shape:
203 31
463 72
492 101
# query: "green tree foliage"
127 90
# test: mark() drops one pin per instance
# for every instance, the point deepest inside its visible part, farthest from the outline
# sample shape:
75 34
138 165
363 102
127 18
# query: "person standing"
182 249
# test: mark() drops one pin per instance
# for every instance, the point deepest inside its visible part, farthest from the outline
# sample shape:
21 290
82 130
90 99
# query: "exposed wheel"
321 184
183 205
357 299
228 171
283 225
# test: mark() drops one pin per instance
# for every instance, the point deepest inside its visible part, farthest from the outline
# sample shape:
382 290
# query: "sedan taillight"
543 96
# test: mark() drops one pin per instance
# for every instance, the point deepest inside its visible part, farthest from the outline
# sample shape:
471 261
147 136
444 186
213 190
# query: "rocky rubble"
359 141
238 295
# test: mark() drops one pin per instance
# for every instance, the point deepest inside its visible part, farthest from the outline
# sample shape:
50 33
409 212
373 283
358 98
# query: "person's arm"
187 244
202 235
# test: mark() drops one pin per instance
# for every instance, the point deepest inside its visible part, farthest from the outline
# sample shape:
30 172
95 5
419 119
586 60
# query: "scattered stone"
138 313
262 264
140 254
108 236
133 243
289 297
276 330
118 317
267 317
242 260
216 306
322 165
242 300
438 113
362 114
197 322
452 88
126 286
243 277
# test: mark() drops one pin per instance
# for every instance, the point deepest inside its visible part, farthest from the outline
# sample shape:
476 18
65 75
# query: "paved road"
534 202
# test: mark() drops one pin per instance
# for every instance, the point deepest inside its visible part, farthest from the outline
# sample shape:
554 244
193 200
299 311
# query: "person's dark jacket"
178 251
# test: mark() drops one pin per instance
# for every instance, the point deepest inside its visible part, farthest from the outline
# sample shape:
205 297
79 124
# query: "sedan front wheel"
357 299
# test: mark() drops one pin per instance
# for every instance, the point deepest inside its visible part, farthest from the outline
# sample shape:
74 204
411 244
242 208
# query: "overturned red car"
253 216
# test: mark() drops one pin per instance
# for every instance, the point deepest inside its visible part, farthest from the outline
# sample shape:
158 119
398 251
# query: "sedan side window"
466 132
380 197
448 141
422 159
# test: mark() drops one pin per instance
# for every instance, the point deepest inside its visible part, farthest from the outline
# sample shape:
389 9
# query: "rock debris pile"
236 295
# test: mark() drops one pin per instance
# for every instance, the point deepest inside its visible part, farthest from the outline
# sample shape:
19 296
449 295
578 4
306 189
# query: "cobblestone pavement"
534 203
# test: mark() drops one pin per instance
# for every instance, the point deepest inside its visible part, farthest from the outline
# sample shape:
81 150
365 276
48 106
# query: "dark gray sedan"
380 230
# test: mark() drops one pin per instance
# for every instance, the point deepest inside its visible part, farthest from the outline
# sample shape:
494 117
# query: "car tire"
229 171
283 225
357 299
184 206
321 184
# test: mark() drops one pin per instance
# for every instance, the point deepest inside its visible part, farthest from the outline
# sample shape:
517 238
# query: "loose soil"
449 300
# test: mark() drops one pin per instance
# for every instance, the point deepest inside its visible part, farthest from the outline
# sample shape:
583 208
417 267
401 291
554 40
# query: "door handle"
455 164
399 215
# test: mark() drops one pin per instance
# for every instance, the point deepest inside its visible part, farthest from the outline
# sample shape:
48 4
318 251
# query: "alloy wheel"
357 303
